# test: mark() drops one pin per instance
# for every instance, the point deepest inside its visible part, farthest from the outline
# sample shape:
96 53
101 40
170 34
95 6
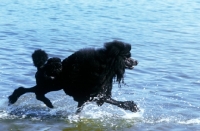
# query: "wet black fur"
47 71
88 74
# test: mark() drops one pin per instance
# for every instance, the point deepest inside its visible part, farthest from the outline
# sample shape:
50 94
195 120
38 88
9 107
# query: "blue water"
165 39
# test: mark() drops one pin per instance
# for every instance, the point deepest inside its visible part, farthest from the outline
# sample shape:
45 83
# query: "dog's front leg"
126 105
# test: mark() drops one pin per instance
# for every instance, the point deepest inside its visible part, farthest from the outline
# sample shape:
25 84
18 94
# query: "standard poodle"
87 75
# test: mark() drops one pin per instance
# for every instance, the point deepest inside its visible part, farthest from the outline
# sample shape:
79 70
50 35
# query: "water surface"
165 40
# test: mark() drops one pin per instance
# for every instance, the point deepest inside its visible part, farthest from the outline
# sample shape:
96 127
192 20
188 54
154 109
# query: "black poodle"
47 71
87 75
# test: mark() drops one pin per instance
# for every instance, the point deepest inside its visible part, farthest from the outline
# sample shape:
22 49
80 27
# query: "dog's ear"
114 48
127 47
126 51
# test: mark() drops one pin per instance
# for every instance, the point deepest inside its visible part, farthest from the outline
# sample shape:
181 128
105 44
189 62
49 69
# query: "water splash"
190 121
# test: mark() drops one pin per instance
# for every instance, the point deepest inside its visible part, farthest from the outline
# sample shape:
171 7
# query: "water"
165 40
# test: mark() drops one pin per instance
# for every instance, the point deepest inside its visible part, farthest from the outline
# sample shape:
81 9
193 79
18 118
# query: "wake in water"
92 117
106 115
90 111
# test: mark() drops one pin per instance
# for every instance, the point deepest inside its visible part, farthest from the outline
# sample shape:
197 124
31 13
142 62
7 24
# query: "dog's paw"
50 106
129 105
12 99
48 103
15 95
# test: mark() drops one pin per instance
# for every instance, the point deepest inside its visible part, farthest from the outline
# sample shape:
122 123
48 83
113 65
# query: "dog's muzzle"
130 63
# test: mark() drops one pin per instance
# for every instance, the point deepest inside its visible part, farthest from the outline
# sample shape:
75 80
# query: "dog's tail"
39 58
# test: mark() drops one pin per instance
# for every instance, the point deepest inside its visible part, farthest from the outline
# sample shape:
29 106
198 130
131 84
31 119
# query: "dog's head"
53 66
121 50
126 54
120 55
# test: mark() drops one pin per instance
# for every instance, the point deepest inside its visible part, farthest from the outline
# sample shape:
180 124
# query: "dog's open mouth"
130 63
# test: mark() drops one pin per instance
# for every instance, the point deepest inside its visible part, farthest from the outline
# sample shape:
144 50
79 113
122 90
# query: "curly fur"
47 70
39 58
89 73
86 75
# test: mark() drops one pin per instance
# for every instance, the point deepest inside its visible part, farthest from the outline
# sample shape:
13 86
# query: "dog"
87 75
47 71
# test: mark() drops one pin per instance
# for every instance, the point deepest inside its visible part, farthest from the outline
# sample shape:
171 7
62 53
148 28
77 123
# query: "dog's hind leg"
126 105
80 106
18 92
42 98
